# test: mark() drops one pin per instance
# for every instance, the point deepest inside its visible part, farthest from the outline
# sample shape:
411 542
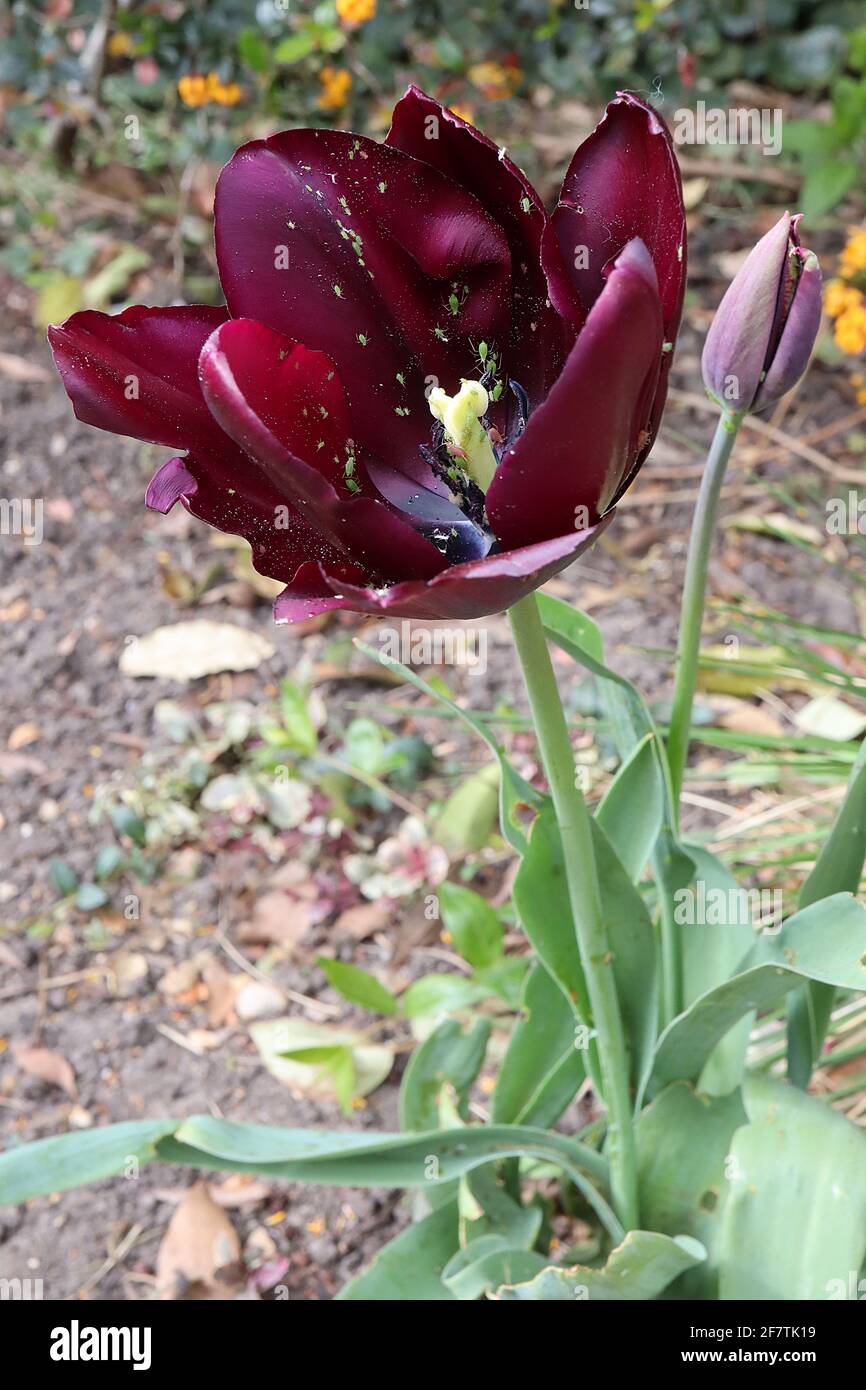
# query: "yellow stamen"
461 417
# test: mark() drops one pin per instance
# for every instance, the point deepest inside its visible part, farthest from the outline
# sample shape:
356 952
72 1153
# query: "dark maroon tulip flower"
425 394
764 330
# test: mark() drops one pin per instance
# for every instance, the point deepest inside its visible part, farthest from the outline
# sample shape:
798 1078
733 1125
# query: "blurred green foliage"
195 78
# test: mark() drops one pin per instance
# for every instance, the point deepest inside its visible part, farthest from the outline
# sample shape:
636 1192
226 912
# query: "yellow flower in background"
853 258
336 85
356 11
192 90
494 80
119 45
860 383
838 297
850 330
465 113
195 90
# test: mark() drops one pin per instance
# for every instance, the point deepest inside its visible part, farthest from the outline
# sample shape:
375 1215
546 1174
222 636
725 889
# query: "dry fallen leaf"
186 651
23 734
221 991
279 920
365 919
200 1252
752 719
48 1066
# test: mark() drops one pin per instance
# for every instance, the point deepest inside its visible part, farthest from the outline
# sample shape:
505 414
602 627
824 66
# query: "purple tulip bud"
760 340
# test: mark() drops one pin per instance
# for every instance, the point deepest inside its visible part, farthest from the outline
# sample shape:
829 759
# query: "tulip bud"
760 340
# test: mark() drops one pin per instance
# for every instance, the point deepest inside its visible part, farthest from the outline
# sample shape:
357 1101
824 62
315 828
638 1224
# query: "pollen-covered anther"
461 417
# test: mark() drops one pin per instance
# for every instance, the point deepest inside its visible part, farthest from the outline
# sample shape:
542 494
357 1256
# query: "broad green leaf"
382 1160
794 1223
473 925
714 919
825 942
633 947
640 1268
441 994
515 792
488 1262
448 1057
280 1040
542 901
543 1067
295 47
683 1140
468 818
505 978
83 1156
826 184
838 868
631 811
409 1267
357 985
254 51
364 746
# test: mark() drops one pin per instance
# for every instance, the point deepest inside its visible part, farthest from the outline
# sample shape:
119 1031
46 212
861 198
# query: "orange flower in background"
336 85
356 12
838 297
195 90
850 330
494 80
192 90
853 258
465 113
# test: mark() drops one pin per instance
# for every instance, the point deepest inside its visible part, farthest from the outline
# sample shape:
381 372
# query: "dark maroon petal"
431 513
473 590
581 444
355 249
624 182
308 594
428 131
136 373
254 381
235 496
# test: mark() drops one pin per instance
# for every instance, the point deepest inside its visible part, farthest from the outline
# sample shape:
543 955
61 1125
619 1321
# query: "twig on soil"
54 982
315 1006
121 1250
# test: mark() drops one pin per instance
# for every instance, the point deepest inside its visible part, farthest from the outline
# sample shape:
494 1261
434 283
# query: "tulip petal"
371 256
236 497
430 132
798 335
580 446
136 373
624 182
472 590
253 381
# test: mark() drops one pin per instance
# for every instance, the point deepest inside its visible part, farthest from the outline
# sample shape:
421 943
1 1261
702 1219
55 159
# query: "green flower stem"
694 595
585 898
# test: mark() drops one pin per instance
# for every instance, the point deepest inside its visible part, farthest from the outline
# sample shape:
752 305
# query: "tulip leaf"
716 935
793 1225
410 1266
683 1139
473 925
470 813
631 811
838 868
825 942
70 1160
543 1066
514 791
542 901
488 1262
448 1057
640 1268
